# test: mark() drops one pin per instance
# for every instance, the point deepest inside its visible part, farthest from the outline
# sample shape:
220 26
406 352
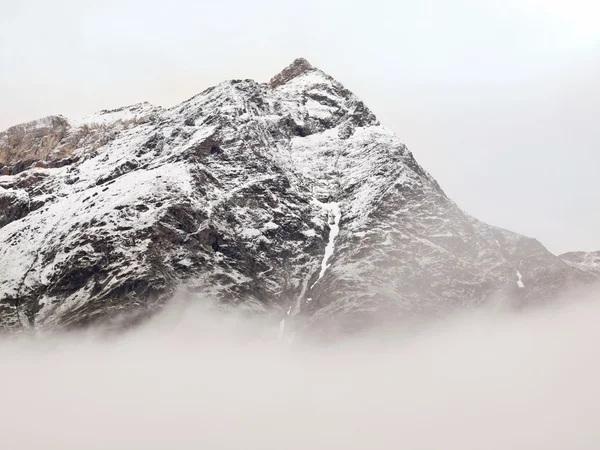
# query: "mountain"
286 198
586 261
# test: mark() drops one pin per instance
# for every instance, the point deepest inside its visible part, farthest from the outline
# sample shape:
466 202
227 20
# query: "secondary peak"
298 67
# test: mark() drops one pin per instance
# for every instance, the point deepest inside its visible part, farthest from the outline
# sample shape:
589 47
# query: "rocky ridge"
586 261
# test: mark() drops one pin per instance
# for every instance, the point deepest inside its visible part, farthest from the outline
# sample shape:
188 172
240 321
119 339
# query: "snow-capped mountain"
286 198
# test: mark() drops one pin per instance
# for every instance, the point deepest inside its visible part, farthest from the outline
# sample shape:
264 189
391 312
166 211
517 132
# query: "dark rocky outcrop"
298 67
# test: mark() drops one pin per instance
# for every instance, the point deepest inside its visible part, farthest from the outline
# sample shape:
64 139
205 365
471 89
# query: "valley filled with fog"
192 378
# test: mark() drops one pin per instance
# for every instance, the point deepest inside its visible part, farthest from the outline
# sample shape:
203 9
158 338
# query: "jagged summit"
298 67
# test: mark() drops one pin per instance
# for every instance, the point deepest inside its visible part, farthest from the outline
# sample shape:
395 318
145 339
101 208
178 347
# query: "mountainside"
586 261
287 198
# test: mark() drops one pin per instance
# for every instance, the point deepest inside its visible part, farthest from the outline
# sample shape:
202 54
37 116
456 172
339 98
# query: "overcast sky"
500 101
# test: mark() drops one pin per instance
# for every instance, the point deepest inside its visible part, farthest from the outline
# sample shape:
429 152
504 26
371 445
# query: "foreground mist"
197 380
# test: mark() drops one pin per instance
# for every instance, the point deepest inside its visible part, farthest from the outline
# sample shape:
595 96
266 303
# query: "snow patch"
519 281
125 114
249 233
442 235
185 262
309 233
333 220
319 111
270 226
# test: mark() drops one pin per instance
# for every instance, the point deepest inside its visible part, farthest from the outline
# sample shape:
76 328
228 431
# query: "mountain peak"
298 67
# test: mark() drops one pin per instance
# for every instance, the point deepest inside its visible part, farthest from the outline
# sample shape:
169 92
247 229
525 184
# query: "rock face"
33 141
287 198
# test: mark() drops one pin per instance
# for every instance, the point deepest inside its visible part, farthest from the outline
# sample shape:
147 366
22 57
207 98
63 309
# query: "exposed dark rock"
298 67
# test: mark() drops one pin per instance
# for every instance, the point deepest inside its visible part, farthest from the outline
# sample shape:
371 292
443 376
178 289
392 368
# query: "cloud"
193 379
580 17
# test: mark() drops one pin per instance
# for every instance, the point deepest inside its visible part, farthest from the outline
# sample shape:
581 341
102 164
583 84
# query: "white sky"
500 101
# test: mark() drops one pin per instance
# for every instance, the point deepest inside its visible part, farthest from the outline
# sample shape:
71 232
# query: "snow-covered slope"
586 261
287 198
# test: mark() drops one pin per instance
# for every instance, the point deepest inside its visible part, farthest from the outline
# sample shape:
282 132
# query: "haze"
498 100
194 379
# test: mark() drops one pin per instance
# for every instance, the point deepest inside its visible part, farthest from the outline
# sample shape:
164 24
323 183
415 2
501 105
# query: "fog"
195 379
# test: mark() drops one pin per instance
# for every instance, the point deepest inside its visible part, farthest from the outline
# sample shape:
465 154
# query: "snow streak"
519 281
333 220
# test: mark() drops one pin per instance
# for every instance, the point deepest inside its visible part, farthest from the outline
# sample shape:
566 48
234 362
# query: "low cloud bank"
198 380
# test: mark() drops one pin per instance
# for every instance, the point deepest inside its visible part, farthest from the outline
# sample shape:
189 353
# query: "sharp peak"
301 62
296 68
